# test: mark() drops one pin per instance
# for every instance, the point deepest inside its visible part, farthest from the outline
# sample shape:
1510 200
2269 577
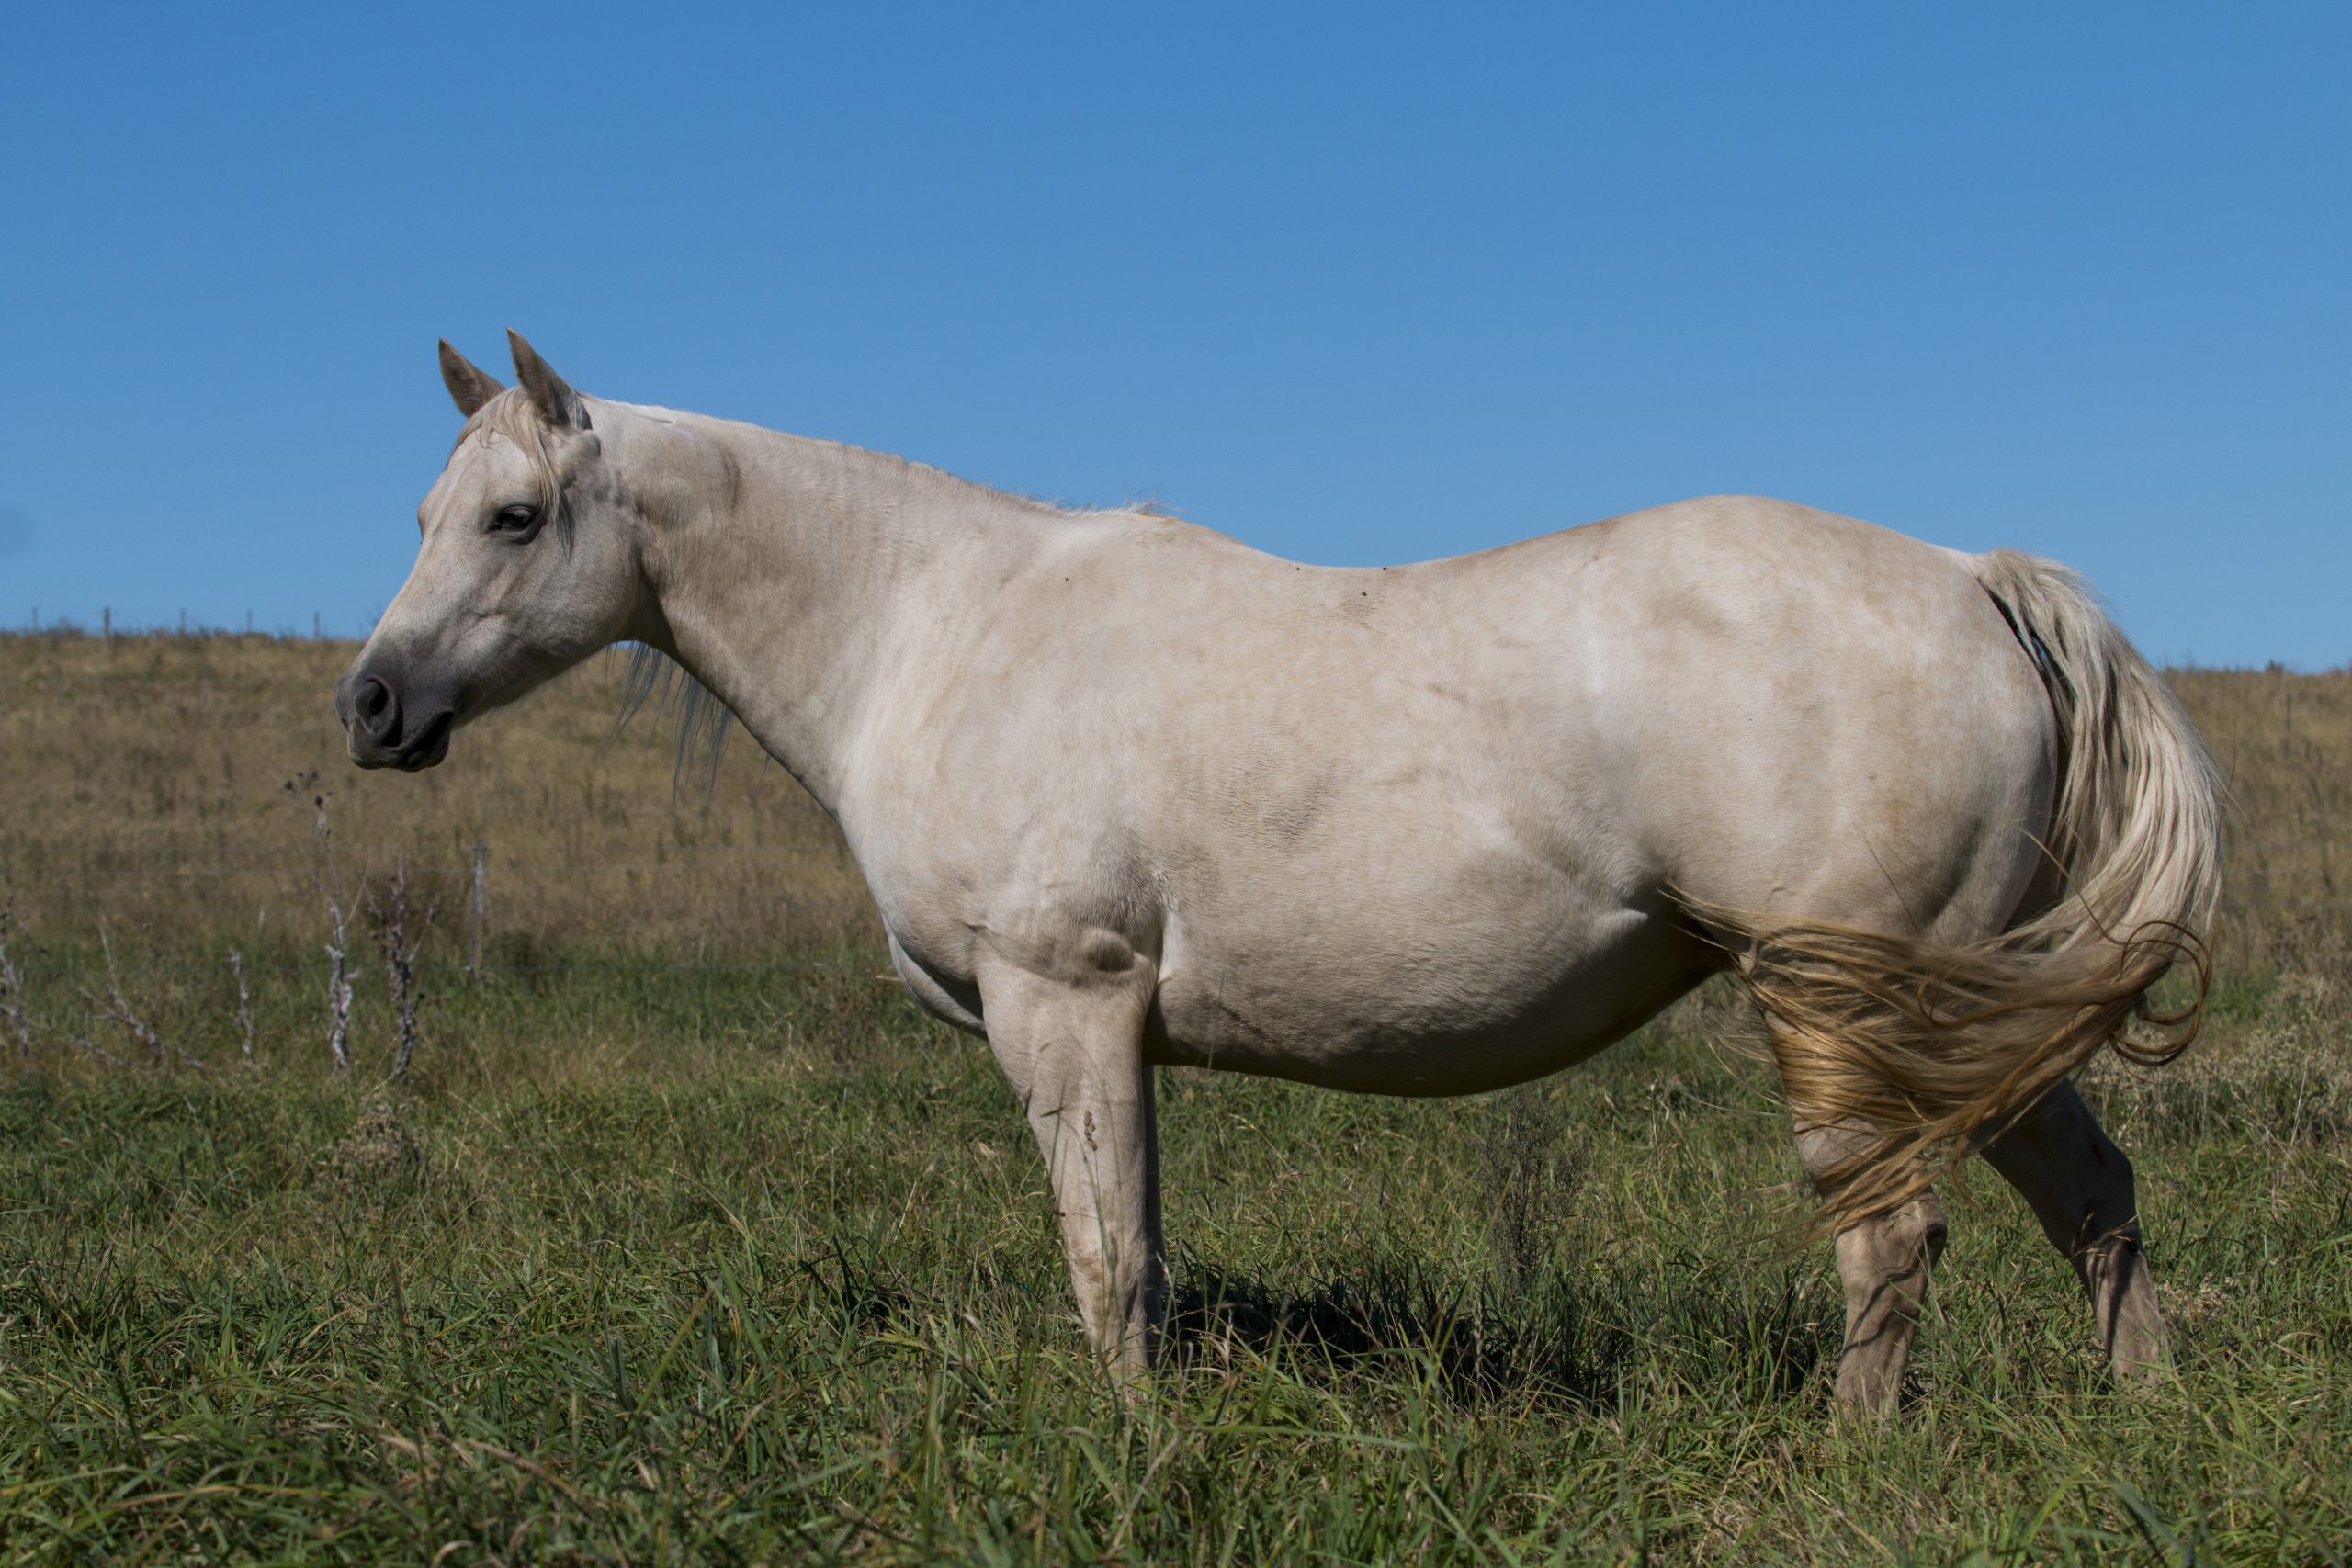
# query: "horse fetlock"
2123 1300
1121 1288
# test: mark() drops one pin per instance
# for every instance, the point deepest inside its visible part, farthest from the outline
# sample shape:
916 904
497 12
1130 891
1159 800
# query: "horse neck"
793 577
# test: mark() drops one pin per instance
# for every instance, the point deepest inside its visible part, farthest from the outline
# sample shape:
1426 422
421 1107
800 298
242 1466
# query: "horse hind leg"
1884 1062
2079 1186
1884 1261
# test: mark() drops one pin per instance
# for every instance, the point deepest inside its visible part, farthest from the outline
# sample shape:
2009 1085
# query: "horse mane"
651 678
701 719
868 462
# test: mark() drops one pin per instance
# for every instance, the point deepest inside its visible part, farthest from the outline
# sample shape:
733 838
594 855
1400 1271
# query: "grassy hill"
688 1239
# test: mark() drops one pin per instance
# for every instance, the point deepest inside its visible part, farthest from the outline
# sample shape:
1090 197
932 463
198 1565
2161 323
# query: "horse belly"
1437 1007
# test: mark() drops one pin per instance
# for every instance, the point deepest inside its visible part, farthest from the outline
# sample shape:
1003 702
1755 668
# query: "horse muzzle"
386 726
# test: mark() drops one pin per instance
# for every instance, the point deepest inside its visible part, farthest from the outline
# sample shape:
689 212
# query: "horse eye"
515 520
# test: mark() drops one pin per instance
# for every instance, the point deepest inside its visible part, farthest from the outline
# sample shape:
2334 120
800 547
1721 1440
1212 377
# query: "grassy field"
688 1239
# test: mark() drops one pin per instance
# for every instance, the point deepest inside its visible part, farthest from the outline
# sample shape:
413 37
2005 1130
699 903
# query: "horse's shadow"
1550 1338
1546 1338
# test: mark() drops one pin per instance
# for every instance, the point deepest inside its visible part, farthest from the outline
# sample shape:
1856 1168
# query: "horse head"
529 559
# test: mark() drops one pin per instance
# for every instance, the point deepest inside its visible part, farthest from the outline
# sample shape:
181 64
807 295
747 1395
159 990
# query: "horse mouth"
430 746
413 754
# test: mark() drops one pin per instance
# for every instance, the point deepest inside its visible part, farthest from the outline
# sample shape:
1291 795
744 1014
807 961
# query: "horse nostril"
378 710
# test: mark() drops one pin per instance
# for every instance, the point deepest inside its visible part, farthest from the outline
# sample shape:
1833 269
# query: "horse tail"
1912 1048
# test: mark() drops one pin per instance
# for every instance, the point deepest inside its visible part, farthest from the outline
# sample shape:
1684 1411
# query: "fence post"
482 861
105 620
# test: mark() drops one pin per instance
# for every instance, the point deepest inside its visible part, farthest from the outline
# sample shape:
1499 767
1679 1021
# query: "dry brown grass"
145 784
169 783
2285 744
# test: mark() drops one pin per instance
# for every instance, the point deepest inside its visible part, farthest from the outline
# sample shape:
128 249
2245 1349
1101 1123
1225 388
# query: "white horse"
1128 792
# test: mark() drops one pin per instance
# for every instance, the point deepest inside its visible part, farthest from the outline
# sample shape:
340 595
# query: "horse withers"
1128 792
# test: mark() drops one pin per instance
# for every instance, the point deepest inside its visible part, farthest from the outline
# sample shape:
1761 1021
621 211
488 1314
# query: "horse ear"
557 402
469 385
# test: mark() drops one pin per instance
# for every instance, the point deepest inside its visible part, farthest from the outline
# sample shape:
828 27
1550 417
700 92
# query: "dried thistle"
390 911
327 876
244 1005
117 1006
12 996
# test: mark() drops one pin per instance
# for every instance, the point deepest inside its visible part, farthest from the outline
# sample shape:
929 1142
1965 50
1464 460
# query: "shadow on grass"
1555 1339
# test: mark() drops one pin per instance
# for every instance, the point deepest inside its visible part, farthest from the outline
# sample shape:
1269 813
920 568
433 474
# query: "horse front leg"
1073 1052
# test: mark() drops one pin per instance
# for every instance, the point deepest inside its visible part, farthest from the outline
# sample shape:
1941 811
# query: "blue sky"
1354 283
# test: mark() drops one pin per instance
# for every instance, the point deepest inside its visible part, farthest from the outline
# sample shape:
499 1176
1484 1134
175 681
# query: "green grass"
690 1241
658 1263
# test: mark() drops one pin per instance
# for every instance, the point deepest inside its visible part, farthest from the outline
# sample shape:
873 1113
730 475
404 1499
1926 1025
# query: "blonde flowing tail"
1922 1051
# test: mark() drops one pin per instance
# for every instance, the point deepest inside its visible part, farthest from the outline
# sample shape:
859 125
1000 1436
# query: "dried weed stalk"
390 912
1530 1174
326 875
12 996
117 1006
244 1006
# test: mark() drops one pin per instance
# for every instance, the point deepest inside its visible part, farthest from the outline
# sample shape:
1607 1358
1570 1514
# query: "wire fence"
175 864
108 628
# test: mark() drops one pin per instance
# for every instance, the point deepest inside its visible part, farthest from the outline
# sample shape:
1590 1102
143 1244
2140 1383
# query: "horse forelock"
512 416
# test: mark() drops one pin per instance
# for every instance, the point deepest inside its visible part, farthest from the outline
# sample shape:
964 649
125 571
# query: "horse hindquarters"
1901 1052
